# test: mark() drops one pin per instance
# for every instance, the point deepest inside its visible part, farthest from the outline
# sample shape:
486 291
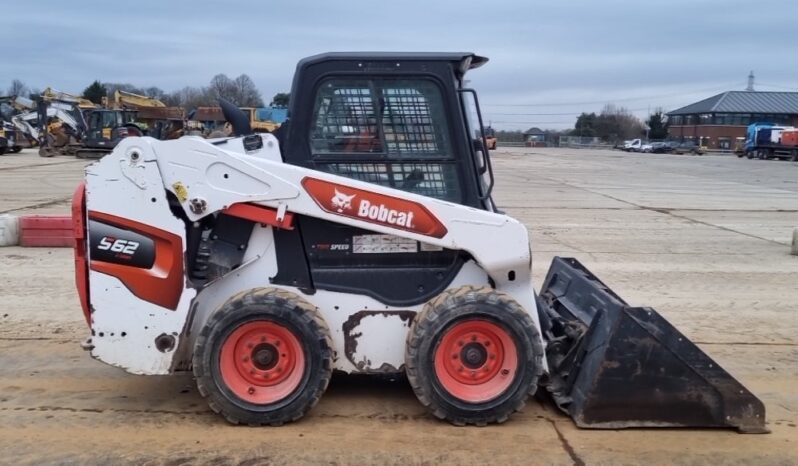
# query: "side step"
614 366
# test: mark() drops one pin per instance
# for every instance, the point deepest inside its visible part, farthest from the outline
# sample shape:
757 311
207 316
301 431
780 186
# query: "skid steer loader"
362 237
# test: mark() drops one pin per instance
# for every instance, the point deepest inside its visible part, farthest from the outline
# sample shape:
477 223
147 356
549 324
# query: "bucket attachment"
614 366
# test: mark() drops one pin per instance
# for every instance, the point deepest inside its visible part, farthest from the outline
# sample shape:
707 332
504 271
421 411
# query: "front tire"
264 358
473 356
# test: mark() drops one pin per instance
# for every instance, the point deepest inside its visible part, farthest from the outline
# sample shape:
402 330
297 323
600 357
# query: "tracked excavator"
363 237
12 135
71 125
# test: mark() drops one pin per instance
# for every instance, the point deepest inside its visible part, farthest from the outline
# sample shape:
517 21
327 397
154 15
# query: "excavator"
12 133
71 125
160 121
362 236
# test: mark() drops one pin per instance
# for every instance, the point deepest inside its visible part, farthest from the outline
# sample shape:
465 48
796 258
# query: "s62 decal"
108 243
124 246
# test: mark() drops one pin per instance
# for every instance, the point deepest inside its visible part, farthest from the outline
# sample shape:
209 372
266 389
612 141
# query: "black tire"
794 157
272 306
2 150
16 149
462 305
749 154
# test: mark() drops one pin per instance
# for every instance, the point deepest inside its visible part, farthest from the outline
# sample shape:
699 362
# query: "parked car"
689 147
647 148
663 147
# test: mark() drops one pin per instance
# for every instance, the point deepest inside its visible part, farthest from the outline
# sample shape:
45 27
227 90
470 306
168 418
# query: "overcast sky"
544 56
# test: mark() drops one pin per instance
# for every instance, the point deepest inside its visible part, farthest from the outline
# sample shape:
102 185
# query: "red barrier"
46 231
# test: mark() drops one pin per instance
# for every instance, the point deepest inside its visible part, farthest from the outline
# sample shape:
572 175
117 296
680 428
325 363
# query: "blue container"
273 114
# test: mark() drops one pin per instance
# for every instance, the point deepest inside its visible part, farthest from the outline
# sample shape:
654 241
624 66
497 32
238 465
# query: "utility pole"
750 87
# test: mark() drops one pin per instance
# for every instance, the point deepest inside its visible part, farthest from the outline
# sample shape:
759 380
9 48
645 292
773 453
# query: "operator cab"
107 127
402 120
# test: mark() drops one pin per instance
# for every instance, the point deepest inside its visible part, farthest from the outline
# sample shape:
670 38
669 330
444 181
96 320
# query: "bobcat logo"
341 202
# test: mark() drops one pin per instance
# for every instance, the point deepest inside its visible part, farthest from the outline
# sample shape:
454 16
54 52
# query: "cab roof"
461 61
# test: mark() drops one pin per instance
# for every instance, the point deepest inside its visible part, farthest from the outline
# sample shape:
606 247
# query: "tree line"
241 90
617 123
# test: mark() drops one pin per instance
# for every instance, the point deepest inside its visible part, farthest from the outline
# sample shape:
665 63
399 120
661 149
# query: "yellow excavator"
157 119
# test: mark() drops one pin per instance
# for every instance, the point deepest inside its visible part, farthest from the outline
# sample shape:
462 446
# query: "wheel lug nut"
473 338
505 371
262 339
277 343
473 374
246 359
493 356
250 345
252 371
454 356
487 343
460 343
251 390
460 369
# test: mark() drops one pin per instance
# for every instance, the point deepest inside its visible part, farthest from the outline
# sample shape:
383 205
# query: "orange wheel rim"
476 360
262 362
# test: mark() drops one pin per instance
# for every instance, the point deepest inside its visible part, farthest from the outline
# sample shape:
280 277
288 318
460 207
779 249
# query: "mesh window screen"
412 119
391 132
345 119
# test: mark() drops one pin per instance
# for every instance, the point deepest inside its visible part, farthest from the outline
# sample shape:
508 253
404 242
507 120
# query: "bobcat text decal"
374 207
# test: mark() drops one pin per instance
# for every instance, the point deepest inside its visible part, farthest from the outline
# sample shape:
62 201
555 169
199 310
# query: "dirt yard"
704 240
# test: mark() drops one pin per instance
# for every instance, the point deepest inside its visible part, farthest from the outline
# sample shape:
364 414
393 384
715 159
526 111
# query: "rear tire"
264 358
794 157
473 356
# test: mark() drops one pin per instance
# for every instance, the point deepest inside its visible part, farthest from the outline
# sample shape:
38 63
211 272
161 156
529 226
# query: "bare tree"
154 92
247 93
224 87
18 88
241 90
616 123
190 98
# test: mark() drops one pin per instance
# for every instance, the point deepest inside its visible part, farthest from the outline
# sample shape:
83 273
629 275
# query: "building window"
675 120
705 119
740 119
